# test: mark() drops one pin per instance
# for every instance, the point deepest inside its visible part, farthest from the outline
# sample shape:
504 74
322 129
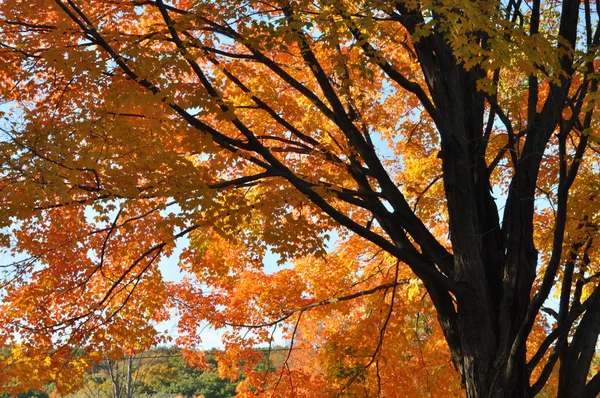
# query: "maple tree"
452 146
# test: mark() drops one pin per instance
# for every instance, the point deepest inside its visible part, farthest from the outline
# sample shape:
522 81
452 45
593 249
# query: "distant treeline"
161 372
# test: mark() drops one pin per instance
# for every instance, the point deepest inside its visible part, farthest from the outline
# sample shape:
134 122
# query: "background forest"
161 373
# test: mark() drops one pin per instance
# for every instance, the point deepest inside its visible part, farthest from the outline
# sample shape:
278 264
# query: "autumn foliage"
425 172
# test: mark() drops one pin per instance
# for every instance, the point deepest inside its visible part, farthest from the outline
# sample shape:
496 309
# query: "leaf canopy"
450 148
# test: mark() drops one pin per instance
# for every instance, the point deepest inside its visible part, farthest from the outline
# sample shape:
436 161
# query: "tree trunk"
130 388
494 264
